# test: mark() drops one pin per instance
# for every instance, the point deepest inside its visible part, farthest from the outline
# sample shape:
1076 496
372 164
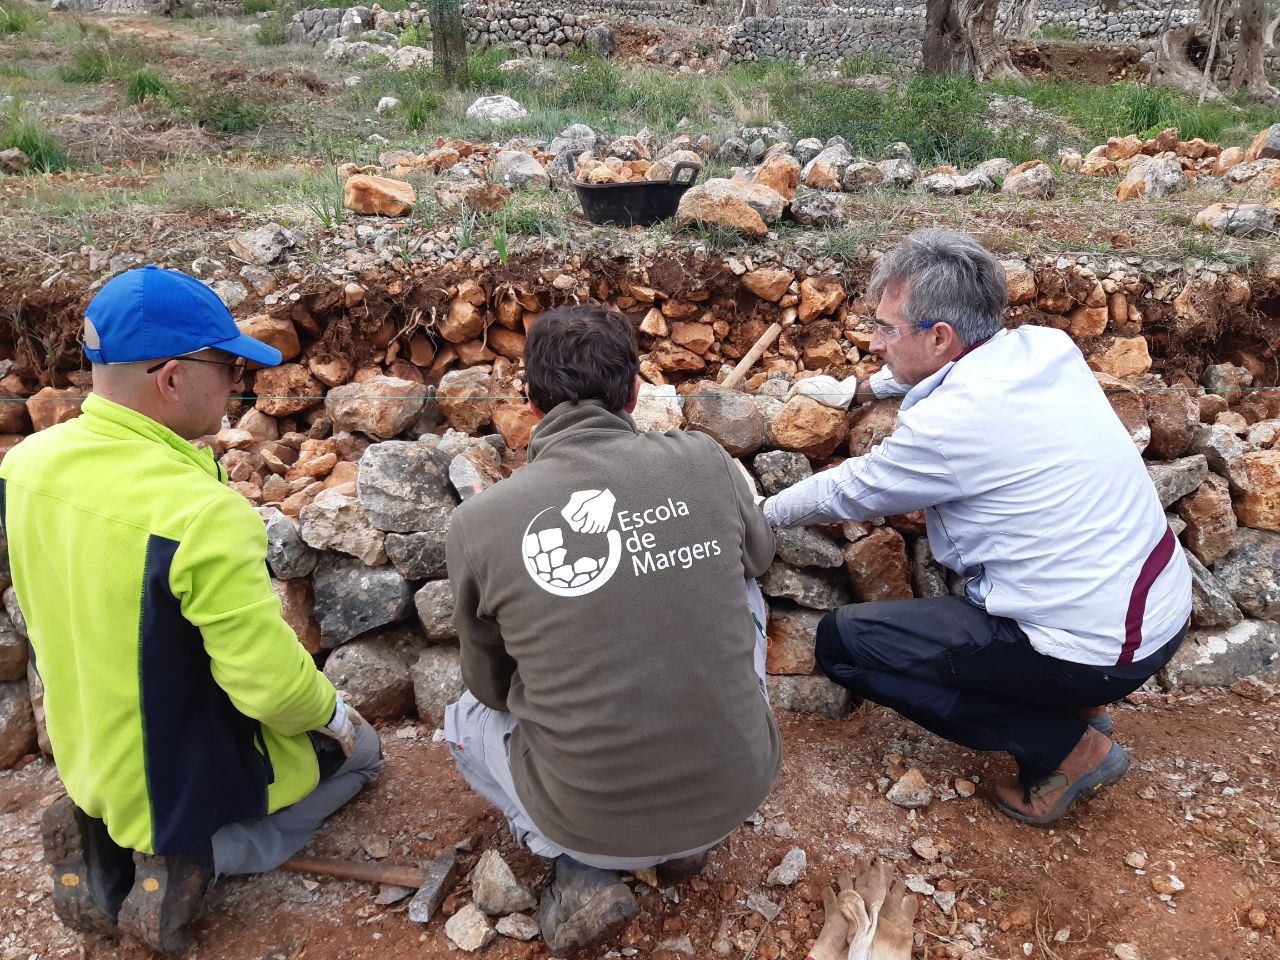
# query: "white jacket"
1032 489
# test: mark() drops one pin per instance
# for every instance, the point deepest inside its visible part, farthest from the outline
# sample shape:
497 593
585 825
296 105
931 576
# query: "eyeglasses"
238 365
890 332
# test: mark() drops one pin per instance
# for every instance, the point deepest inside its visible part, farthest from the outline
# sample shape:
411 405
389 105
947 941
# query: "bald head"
186 394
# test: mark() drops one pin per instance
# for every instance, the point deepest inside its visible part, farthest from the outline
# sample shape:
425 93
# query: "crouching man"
616 712
193 733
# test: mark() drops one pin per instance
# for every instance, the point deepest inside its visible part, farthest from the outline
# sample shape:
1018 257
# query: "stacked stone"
825 41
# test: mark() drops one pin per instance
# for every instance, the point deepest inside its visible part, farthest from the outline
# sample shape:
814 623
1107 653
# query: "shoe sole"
605 915
157 911
1113 766
73 899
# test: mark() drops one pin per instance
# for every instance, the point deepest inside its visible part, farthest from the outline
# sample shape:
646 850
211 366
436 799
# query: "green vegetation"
254 7
864 62
416 36
1058 31
41 147
274 30
145 84
96 62
15 18
421 107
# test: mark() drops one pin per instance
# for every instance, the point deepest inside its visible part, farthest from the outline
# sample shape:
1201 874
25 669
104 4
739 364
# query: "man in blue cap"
194 734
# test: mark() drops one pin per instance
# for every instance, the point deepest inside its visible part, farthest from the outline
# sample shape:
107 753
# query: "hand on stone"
828 390
589 511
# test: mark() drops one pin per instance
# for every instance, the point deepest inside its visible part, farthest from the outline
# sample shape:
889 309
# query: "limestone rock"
1221 656
1126 357
659 408
381 407
826 170
806 426
727 416
17 723
1260 506
1033 179
404 486
780 173
516 169
664 167
819 296
469 929
474 470
791 633
1251 573
353 598
515 423
1020 280
820 210
262 246
1211 604
1152 179
807 589
494 888
1224 452
1266 145
14 162
410 57
1210 520
50 406
1127 403
803 547
378 196
768 283
779 469
420 556
898 172
286 390
288 555
1238 219
872 423
1173 416
374 672
336 522
496 109
461 396
437 682
278 332
928 577
814 694
298 607
1177 478
911 792
717 203
790 869
517 926
434 603
877 566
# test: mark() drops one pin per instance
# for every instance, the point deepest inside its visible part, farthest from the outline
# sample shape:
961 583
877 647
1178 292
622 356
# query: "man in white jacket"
1075 589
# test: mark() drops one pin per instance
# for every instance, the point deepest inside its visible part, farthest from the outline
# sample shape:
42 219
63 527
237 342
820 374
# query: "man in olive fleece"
616 712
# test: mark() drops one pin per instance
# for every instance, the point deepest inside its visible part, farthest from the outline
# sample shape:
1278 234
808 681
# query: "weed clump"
42 147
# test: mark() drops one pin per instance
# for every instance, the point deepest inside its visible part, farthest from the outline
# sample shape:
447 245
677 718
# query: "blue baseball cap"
152 314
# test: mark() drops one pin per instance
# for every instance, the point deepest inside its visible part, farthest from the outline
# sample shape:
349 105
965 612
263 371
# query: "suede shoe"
583 907
91 873
168 893
1095 764
1098 718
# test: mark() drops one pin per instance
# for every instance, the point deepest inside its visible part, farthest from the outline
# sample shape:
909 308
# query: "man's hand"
589 511
343 726
828 390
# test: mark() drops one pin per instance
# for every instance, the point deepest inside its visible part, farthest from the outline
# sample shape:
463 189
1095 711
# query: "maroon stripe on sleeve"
1156 561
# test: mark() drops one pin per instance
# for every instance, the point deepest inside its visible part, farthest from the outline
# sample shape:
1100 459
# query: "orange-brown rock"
511 314
378 196
1123 148
462 397
1211 522
877 566
1266 145
1126 357
694 336
679 309
515 422
507 343
718 206
768 283
871 423
819 296
1165 141
1260 507
1127 403
474 352
285 390
463 321
298 606
332 372
781 172
791 634
1229 158
50 406
314 465
809 427
822 354
1172 416
380 407
278 332
1087 321
1197 149
442 158
13 413
675 359
1021 281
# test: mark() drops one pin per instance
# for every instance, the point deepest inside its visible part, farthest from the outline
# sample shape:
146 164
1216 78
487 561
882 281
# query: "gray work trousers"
255 846
479 738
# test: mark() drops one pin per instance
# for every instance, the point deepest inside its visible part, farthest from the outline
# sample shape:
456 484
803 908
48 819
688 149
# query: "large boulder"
806 426
1251 573
729 417
404 486
814 694
1224 452
462 400
374 672
437 682
352 598
1032 179
1220 657
420 556
1238 219
1266 145
336 522
434 603
659 408
498 108
382 407
718 203
1173 416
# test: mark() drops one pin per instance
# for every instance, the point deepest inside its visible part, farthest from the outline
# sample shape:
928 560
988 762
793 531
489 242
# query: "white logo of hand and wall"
588 513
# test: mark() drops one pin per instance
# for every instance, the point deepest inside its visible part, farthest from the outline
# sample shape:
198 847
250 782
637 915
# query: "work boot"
1094 764
1098 718
683 868
167 895
91 873
582 907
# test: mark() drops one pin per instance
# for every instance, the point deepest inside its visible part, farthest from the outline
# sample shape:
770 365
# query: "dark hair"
581 353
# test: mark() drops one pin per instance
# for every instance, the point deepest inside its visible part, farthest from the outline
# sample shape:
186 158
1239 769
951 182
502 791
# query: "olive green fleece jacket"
177 698
600 598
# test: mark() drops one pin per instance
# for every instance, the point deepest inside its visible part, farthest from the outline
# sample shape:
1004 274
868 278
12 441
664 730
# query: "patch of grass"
863 62
41 146
254 7
416 36
420 108
97 62
145 83
13 70
274 30
324 200
223 110
17 18
1058 31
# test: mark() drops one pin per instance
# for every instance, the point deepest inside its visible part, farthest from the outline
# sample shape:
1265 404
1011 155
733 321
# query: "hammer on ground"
432 885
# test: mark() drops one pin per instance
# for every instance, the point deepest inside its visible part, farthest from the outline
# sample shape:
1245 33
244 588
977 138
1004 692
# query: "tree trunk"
1020 19
946 49
991 59
1248 72
1174 68
449 41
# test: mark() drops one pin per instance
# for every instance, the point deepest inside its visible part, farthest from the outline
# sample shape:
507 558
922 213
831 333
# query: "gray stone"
813 694
734 152
404 485
498 108
860 174
659 408
1211 604
1224 451
374 672
806 149
262 246
17 723
288 555
600 38
1251 573
494 888
1176 478
14 611
681 946
35 687
1269 148
764 906
727 416
1244 220
474 471
1218 658
820 210
1225 380
230 292
434 603
518 927
807 589
469 929
898 173
792 867
352 598
928 577
803 547
441 875
1037 181
13 651
516 169
898 151
437 682
420 556
577 137
911 792
334 521
779 469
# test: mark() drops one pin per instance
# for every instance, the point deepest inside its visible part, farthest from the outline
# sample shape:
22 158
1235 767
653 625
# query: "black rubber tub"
635 204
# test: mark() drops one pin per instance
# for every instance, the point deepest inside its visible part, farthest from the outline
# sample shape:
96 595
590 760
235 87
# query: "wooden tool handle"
369 872
749 360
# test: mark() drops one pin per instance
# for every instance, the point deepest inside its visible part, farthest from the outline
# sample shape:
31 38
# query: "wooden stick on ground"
749 359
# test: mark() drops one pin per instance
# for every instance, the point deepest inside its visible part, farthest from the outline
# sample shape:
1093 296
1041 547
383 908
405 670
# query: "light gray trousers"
480 740
255 846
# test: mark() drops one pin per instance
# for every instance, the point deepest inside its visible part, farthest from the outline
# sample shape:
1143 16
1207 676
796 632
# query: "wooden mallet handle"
369 872
749 360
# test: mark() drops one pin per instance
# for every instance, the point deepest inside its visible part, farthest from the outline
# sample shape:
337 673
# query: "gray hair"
950 277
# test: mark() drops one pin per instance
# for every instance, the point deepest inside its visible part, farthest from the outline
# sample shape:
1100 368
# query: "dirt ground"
1200 802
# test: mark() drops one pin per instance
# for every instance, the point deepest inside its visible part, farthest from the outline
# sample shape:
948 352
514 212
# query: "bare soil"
1200 801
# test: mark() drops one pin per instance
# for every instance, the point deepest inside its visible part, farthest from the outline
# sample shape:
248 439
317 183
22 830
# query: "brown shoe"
583 907
1094 764
91 873
1098 718
167 895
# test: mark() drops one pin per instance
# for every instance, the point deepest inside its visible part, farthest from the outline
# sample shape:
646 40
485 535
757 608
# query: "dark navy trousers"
972 678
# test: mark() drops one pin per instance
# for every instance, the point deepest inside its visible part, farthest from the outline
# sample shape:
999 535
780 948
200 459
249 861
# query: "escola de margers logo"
583 560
